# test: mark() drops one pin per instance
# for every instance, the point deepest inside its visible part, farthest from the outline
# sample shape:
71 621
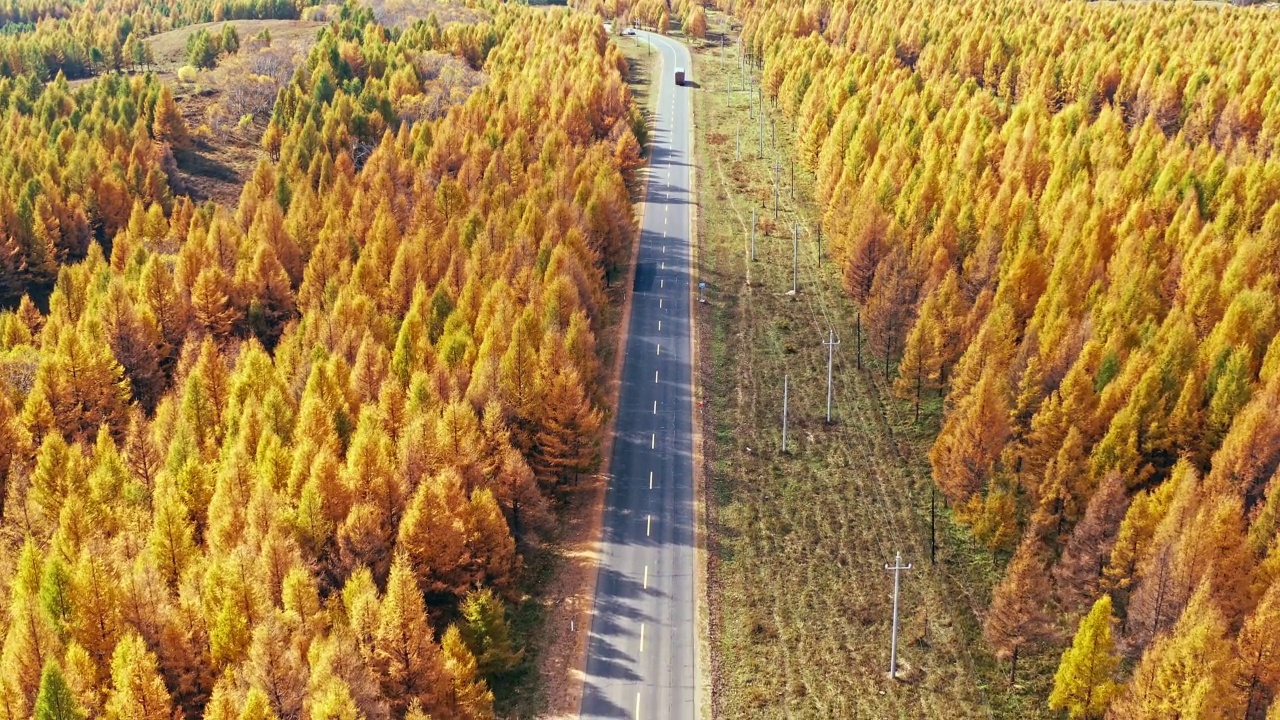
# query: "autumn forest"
287 456
281 458
1062 218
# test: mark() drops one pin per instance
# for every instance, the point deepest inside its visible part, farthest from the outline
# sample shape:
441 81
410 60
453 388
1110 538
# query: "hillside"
169 49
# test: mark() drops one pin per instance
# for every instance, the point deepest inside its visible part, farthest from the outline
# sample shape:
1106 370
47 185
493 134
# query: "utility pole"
888 351
831 344
819 228
897 569
775 189
737 152
795 259
786 388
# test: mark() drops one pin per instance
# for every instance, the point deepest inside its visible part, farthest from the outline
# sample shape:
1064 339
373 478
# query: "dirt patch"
227 108
216 165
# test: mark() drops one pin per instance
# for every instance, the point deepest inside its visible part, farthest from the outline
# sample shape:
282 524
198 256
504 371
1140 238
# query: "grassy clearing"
800 600
170 48
227 107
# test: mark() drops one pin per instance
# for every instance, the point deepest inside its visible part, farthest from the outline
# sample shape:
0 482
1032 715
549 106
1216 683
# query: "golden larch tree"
1258 647
137 690
1019 616
168 125
1186 672
407 659
1085 681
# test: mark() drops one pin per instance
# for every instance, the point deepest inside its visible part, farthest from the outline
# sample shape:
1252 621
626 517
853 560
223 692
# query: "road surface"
640 655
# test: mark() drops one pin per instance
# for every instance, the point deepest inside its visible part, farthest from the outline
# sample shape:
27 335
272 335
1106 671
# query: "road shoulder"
702 615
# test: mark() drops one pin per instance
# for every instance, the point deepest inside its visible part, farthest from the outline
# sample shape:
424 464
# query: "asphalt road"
640 656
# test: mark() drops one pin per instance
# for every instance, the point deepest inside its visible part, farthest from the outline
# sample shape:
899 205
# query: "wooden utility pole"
896 568
795 259
888 353
857 324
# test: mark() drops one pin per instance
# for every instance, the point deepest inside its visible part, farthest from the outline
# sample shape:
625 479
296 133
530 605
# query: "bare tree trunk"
858 327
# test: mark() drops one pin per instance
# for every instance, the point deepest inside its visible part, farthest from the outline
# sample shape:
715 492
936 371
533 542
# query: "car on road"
679 76
629 31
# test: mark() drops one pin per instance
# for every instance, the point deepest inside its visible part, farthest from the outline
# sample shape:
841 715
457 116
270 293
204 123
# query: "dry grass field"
169 49
801 604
